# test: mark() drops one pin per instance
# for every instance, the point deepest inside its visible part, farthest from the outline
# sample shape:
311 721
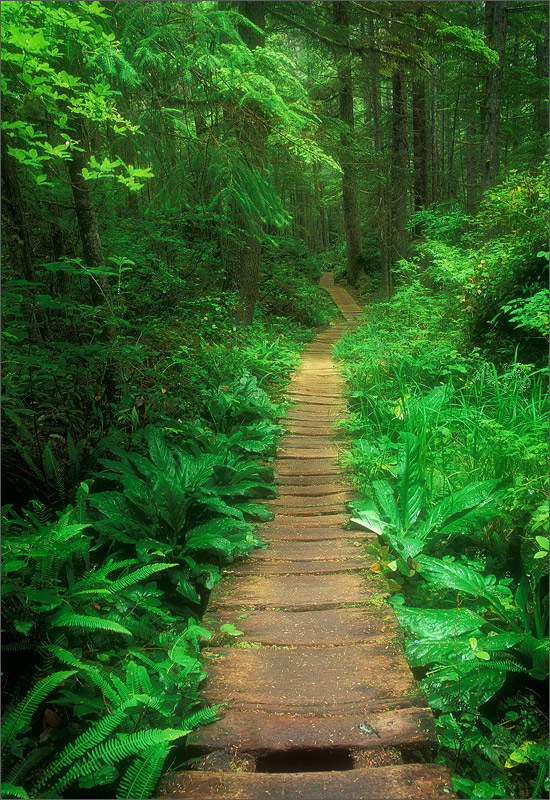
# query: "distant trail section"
319 701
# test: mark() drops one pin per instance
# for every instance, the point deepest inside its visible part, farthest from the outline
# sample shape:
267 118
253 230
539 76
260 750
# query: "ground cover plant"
450 454
112 586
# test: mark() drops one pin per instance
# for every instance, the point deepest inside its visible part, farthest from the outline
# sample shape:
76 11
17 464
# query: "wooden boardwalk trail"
320 701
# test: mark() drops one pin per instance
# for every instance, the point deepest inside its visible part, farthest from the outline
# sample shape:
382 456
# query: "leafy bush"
87 590
450 453
130 656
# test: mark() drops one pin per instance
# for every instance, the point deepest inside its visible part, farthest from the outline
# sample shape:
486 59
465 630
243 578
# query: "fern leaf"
9 790
131 678
508 666
140 778
23 766
91 738
52 471
120 686
14 722
68 618
137 627
201 717
115 750
93 673
94 579
146 660
137 678
139 575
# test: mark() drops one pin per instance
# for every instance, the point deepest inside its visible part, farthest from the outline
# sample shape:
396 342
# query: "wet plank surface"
319 663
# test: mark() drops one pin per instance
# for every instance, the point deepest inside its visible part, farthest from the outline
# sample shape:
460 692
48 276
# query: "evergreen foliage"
175 178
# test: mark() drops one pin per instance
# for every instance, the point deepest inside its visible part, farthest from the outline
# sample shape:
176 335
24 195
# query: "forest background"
175 178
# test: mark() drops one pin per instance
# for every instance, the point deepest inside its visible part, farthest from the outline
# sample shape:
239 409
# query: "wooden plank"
257 731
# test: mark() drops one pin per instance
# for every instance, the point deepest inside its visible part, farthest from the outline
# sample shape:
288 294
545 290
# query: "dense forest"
175 178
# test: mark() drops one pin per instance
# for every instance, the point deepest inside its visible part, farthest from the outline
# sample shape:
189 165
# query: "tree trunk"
17 235
496 15
243 254
433 136
420 148
451 183
322 238
349 186
382 211
93 258
541 71
399 168
471 166
420 131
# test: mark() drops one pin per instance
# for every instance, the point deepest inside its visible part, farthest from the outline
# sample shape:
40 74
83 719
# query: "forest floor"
318 698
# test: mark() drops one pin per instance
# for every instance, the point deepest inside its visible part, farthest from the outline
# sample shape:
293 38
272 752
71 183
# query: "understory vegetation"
175 178
106 573
449 419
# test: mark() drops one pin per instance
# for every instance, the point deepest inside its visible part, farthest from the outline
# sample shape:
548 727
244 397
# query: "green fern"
65 618
508 666
137 678
201 717
95 578
98 586
139 575
18 719
141 776
94 673
29 762
52 472
136 627
146 660
89 740
120 686
10 790
115 750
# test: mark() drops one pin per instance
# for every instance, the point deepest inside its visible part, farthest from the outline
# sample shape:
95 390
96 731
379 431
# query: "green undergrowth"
449 453
105 578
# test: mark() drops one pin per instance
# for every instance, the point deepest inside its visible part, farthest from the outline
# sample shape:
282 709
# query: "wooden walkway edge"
319 699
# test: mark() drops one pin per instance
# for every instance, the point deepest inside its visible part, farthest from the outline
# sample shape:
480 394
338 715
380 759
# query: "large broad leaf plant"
482 629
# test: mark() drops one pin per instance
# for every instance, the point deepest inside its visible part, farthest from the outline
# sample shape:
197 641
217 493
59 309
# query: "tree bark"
541 71
433 135
471 166
399 167
420 130
242 255
16 231
420 148
496 16
382 211
93 258
349 185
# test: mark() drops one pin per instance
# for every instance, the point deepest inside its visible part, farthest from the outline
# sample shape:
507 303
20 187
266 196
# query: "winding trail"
320 701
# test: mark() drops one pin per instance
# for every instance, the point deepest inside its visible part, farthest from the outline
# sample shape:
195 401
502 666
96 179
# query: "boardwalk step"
309 491
312 680
298 567
291 479
258 731
403 782
311 533
339 549
338 499
287 593
337 626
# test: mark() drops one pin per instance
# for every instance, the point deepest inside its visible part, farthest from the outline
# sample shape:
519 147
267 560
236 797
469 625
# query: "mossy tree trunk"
349 184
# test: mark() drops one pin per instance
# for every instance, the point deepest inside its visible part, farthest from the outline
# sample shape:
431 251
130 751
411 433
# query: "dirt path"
320 701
